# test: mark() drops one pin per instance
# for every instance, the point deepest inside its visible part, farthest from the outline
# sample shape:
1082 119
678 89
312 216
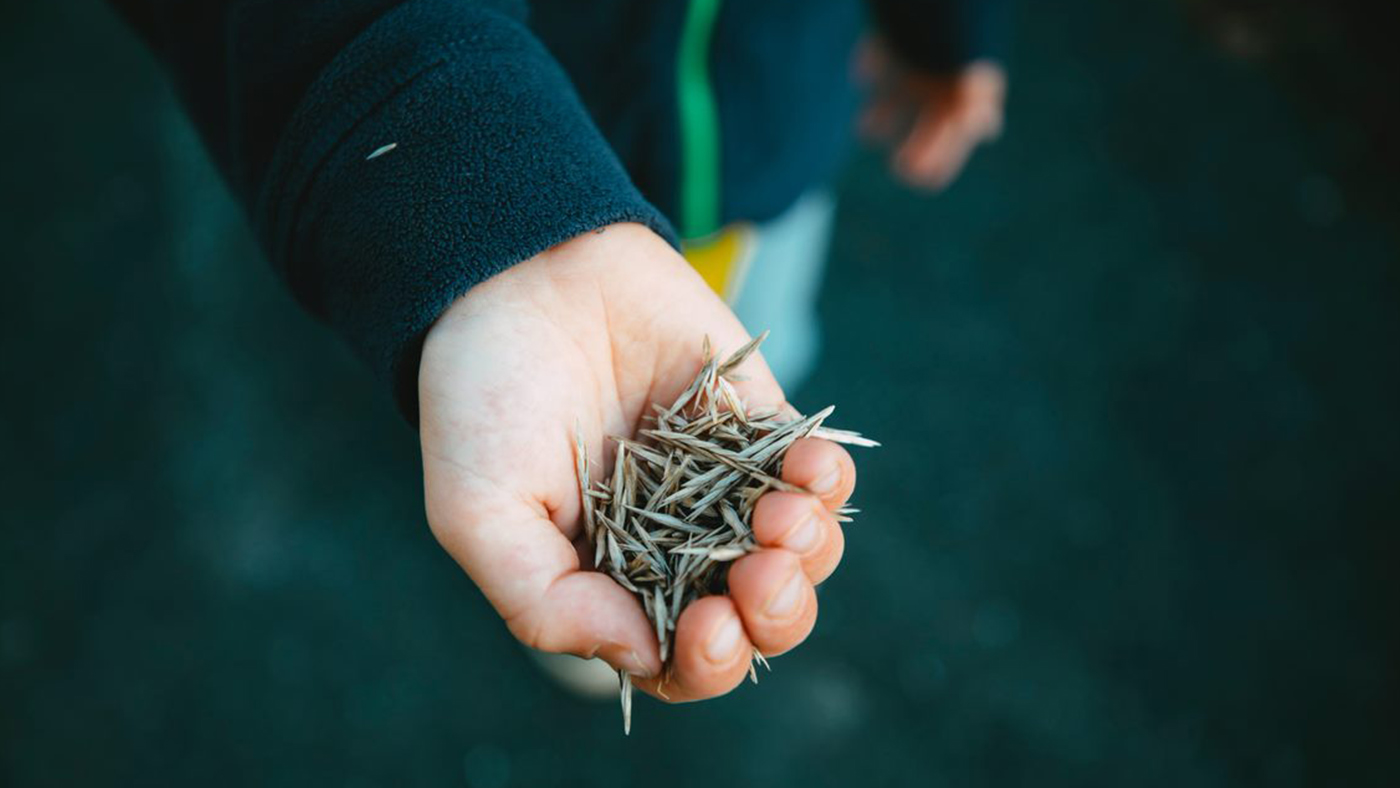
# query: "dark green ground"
1134 523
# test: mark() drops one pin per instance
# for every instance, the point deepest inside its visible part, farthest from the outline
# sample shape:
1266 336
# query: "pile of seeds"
678 506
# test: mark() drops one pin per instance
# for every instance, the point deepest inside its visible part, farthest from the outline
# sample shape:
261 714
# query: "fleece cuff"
485 157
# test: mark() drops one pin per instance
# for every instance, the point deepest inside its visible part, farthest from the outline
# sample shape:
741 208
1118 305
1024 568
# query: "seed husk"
677 510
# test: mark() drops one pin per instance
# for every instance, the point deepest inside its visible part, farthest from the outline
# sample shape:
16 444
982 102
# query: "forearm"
241 67
493 157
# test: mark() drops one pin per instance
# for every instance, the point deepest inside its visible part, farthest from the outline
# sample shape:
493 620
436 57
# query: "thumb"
530 573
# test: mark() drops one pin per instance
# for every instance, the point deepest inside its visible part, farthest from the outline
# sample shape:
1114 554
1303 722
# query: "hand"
593 331
946 116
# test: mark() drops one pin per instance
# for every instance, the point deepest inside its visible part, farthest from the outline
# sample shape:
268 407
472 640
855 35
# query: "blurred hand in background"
933 121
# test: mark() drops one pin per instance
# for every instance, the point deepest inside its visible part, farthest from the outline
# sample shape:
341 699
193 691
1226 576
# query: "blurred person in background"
491 204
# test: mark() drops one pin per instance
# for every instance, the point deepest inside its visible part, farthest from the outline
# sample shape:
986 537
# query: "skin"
933 122
592 331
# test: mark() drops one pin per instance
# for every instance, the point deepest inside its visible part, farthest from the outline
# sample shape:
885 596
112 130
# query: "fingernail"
827 484
804 536
784 603
723 641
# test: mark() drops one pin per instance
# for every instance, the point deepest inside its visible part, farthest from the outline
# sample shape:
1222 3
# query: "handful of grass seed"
678 507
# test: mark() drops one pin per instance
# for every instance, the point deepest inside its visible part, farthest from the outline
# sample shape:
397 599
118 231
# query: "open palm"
589 333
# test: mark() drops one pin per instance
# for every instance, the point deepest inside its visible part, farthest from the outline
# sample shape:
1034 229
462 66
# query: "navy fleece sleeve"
943 35
493 157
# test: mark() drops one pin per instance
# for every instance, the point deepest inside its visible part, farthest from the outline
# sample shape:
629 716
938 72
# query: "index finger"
530 573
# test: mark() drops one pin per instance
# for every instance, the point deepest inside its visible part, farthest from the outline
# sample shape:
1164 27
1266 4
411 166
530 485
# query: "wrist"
572 285
558 275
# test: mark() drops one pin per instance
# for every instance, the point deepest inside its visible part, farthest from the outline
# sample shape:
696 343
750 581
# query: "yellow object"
722 258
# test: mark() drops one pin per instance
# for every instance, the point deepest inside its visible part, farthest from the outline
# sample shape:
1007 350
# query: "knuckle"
530 626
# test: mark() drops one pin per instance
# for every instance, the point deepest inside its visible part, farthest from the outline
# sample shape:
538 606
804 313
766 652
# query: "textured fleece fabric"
499 151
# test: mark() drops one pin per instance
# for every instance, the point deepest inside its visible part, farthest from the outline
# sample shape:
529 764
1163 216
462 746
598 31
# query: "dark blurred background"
1134 522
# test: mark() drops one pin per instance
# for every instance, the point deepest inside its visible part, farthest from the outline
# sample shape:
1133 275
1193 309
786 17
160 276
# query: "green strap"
699 123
